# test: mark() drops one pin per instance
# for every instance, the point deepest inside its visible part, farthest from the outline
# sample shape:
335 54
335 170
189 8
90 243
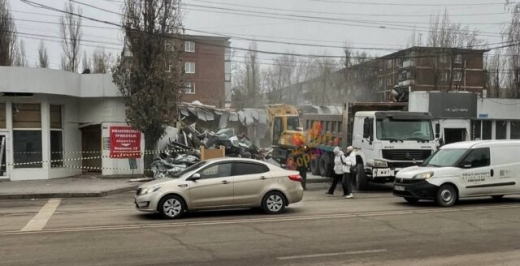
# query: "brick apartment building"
412 69
207 63
432 69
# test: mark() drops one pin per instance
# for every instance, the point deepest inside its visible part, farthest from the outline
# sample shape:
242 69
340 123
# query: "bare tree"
493 67
150 75
8 40
71 34
444 36
247 87
86 63
20 58
101 61
512 53
43 57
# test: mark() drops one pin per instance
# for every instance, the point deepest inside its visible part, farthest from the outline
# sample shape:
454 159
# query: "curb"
68 195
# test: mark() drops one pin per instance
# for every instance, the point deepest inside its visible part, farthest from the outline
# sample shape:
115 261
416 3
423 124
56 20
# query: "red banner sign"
125 142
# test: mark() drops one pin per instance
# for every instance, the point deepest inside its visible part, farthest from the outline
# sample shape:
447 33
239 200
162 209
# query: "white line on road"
332 254
38 222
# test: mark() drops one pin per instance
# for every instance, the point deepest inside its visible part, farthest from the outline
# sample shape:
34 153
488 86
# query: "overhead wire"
32 3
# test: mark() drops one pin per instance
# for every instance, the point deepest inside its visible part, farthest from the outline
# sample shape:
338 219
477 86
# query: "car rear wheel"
172 207
274 203
446 196
411 200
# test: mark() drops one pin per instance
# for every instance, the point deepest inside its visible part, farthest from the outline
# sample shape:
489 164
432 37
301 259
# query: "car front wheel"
274 203
446 196
172 207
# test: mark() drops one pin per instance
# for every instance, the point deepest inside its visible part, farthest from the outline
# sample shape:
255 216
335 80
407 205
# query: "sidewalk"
88 185
69 187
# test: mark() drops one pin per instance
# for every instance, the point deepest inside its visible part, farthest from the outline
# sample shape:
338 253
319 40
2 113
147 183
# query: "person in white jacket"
350 163
339 162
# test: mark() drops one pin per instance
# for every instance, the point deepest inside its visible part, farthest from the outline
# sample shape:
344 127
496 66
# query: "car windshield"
444 158
388 129
293 123
189 169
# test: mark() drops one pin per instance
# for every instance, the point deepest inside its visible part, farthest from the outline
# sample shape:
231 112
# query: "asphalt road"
372 229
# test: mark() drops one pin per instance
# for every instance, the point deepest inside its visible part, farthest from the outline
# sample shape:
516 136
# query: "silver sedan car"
220 184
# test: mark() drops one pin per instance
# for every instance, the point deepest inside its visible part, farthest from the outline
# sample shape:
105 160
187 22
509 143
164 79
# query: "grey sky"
381 24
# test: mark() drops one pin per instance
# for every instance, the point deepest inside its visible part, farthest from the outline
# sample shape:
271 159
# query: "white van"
463 170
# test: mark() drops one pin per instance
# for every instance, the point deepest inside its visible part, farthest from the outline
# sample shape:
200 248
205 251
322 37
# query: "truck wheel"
361 178
324 165
314 166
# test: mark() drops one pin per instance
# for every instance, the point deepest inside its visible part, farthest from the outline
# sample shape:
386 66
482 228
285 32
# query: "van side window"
478 158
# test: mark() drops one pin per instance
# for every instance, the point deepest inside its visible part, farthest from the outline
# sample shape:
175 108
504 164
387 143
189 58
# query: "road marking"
310 256
285 218
38 222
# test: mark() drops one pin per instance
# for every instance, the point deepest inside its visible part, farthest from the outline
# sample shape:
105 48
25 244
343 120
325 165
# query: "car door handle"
225 182
263 178
492 173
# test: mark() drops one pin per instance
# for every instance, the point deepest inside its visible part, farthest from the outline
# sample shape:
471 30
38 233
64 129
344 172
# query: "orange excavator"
285 130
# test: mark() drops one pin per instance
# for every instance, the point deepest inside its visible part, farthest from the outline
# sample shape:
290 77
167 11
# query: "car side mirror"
466 164
194 177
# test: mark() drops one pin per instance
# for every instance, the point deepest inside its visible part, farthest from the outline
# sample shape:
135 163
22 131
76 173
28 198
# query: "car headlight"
150 190
424 175
380 164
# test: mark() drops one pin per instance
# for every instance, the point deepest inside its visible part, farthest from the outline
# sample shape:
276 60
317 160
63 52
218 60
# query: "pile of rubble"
184 151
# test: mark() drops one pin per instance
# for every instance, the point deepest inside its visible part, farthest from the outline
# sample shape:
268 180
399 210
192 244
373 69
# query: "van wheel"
172 207
446 196
497 197
273 203
411 200
361 178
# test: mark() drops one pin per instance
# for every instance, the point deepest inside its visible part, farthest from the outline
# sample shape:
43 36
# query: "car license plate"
399 188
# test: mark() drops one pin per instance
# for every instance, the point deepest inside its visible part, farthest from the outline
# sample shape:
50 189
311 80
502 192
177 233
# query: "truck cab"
388 141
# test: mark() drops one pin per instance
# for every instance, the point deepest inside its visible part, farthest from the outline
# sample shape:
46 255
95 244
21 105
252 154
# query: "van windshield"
445 158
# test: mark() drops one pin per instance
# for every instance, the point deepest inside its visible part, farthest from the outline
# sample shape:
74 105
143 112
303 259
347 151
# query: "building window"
501 130
445 76
515 129
190 88
56 136
189 67
476 128
457 75
458 59
27 135
443 59
2 116
389 63
189 47
486 130
389 81
381 82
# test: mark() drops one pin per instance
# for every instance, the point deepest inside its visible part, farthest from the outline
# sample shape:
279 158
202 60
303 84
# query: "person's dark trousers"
303 174
337 178
347 183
